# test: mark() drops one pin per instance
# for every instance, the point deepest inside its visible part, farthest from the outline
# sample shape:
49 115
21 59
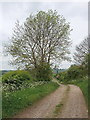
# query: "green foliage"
43 72
85 63
15 79
20 74
62 77
74 72
0 73
81 52
13 102
0 79
43 37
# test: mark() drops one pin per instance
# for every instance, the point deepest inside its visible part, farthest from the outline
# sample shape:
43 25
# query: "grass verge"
0 97
15 101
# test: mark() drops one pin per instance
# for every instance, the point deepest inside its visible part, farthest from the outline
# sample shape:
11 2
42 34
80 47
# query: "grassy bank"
83 84
15 101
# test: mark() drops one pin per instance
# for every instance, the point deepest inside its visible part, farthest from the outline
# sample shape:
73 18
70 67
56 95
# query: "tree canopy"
43 38
81 53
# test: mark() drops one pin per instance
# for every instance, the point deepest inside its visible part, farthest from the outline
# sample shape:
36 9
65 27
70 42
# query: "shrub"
15 79
75 72
42 72
62 77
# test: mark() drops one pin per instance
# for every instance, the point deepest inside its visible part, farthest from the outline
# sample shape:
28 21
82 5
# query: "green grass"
57 109
83 84
0 78
16 101
0 98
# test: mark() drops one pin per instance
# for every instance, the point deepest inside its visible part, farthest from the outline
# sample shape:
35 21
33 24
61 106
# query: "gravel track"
73 105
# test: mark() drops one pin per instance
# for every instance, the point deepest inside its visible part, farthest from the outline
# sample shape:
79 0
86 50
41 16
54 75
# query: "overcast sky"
75 13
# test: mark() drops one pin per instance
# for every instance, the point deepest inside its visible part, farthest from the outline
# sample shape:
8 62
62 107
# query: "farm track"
75 106
71 98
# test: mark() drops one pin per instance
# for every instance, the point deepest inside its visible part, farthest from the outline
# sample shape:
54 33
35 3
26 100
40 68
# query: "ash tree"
42 38
81 54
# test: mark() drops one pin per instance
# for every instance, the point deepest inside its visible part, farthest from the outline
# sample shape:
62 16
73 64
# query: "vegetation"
0 78
80 80
81 58
15 80
73 73
0 97
42 38
59 106
57 109
13 102
44 72
62 77
21 90
81 53
77 73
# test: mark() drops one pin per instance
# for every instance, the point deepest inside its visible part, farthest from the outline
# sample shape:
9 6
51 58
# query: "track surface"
69 95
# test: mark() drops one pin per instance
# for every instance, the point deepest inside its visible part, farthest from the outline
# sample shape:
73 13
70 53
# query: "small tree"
81 54
44 73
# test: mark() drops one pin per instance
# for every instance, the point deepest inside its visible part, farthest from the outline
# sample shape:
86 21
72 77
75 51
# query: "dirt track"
75 106
70 96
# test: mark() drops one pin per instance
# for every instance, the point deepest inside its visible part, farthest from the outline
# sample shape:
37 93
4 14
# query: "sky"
74 12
